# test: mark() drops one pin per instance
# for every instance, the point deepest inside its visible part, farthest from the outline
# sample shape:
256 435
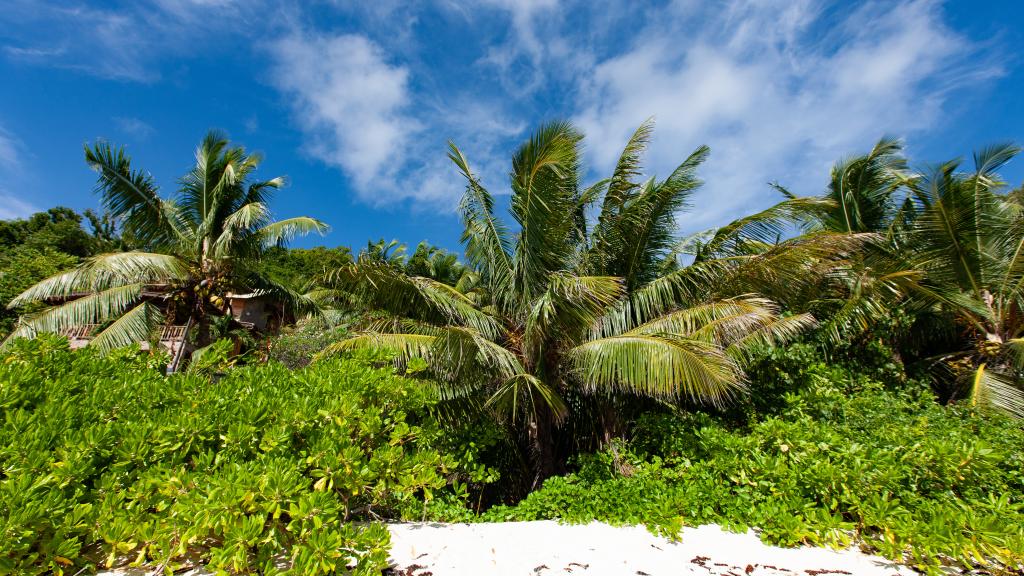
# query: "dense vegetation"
197 246
563 319
845 459
840 368
105 459
43 245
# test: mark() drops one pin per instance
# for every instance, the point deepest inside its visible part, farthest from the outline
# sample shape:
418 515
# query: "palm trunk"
611 423
543 452
202 326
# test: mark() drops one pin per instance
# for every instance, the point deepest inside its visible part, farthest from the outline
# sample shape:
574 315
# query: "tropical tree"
199 244
567 308
862 210
943 251
433 262
967 237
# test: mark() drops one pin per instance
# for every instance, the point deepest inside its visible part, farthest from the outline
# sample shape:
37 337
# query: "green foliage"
561 315
844 460
296 347
56 229
21 267
298 267
198 244
267 469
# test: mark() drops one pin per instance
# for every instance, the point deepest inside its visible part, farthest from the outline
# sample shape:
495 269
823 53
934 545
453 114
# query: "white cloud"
8 151
360 114
351 102
125 43
529 46
134 127
12 207
776 92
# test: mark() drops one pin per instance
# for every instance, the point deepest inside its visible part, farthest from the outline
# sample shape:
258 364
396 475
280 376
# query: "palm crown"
199 244
968 240
567 308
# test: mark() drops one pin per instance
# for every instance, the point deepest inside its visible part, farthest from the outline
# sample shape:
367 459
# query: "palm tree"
866 201
566 308
434 262
968 239
198 245
945 246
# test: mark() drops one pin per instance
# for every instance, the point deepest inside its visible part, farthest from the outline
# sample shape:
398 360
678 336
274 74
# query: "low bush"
104 461
296 347
843 461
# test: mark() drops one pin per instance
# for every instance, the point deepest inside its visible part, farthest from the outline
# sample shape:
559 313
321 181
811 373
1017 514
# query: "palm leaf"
657 365
621 186
485 237
136 325
284 231
105 271
544 192
521 395
999 391
131 196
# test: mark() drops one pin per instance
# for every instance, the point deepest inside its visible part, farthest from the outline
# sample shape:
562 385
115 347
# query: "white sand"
550 548
547 548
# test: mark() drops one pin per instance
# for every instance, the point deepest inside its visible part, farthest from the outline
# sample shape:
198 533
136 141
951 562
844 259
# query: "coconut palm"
967 237
866 201
198 245
566 308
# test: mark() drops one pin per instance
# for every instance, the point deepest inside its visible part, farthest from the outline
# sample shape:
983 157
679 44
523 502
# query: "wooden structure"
256 311
172 338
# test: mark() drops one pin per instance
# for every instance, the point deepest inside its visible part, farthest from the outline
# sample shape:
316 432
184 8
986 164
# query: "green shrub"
296 347
909 479
266 469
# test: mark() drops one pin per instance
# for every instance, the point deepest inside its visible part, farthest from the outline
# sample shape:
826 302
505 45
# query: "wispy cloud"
8 151
134 127
123 43
12 207
777 89
361 114
521 56
350 100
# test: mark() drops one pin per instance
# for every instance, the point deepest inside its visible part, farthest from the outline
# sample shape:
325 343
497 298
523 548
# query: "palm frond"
93 308
405 345
485 237
719 322
462 353
777 332
283 231
239 227
545 176
131 196
995 390
862 189
106 271
657 365
647 229
521 395
766 226
136 325
621 187
571 306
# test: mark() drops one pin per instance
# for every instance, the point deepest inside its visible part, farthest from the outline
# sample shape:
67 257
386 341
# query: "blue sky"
354 101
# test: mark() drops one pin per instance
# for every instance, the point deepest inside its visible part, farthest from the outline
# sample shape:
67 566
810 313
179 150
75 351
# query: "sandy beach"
549 548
